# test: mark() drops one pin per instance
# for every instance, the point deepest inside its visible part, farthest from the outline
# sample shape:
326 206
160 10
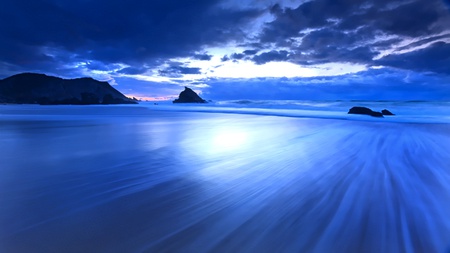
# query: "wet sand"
168 181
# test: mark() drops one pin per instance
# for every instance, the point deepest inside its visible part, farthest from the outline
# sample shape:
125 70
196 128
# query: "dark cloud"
325 38
185 70
447 2
225 58
435 58
401 17
250 52
237 56
424 41
330 45
202 57
133 32
289 22
410 19
373 84
132 71
362 55
273 55
177 69
321 31
71 38
245 55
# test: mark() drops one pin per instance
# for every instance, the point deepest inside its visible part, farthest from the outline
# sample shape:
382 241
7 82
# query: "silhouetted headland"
33 88
189 96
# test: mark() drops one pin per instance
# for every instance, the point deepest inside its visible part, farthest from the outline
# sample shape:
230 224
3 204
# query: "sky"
236 49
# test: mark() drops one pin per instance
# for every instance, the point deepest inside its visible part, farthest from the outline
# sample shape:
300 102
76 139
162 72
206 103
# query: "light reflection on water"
193 182
228 139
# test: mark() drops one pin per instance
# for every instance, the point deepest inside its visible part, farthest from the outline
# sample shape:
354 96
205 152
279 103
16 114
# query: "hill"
32 88
189 96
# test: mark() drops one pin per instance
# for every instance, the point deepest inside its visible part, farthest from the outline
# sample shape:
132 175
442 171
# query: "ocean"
228 176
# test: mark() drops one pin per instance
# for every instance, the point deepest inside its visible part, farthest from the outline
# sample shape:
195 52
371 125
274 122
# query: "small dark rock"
360 110
365 111
387 112
377 114
189 96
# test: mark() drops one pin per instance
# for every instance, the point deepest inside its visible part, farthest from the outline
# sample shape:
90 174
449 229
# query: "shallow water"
405 111
131 179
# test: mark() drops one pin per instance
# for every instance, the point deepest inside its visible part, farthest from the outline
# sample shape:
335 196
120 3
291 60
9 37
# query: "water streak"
178 182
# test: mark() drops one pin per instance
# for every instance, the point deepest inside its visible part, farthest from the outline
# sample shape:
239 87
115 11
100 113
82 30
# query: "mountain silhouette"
33 88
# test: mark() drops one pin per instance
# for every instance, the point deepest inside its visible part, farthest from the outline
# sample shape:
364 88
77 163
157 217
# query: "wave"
406 111
167 181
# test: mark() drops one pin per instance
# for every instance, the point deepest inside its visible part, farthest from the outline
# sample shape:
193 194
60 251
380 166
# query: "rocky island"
33 88
189 96
368 111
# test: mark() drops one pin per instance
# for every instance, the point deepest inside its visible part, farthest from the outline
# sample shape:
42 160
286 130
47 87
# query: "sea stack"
189 96
365 111
32 88
387 112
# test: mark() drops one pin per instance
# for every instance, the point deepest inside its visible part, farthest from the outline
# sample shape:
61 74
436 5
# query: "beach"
144 178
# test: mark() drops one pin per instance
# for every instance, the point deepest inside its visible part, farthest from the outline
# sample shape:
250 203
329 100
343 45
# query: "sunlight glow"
247 69
232 139
229 140
143 97
244 68
149 78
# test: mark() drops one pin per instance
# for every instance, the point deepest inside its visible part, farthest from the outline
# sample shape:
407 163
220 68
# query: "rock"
387 112
360 110
189 96
377 114
365 111
32 88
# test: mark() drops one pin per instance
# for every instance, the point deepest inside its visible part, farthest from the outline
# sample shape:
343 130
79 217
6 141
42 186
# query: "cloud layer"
190 42
48 34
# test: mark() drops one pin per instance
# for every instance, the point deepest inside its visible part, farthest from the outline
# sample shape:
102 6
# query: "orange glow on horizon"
146 98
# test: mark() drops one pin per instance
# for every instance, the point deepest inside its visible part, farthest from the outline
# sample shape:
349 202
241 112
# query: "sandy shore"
164 181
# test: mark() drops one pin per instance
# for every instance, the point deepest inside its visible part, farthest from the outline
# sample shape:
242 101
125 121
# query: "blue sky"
247 49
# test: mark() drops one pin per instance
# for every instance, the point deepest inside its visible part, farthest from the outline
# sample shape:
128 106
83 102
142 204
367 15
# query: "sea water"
406 111
285 176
